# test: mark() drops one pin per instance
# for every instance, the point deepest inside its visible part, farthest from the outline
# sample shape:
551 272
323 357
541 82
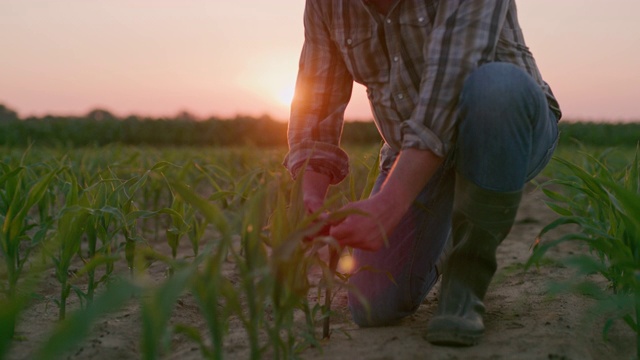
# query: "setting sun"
272 79
285 96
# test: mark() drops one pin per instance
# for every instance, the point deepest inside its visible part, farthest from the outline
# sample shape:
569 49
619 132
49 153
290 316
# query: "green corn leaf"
285 249
352 188
10 174
541 248
133 216
575 186
161 165
561 221
634 173
559 209
601 170
19 208
212 213
220 195
626 201
135 185
632 324
588 180
246 183
114 211
553 195
95 262
223 175
372 175
586 264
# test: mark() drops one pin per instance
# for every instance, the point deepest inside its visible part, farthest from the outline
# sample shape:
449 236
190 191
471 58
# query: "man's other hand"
367 229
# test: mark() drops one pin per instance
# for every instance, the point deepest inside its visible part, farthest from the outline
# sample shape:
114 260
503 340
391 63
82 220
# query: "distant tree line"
100 127
600 133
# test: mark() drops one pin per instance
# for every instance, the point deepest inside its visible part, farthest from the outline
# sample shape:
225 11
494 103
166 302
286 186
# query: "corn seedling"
209 287
606 205
71 224
20 193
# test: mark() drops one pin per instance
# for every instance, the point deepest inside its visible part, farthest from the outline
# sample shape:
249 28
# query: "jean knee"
498 92
496 82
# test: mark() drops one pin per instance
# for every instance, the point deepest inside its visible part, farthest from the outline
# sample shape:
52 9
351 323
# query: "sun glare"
285 96
273 79
278 84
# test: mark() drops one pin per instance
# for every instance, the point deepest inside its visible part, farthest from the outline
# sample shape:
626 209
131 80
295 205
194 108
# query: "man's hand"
314 190
409 175
368 229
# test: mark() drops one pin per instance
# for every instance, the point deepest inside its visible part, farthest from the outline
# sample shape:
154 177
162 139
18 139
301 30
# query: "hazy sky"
214 57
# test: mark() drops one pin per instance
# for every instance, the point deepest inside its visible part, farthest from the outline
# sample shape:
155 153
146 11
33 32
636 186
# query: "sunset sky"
214 57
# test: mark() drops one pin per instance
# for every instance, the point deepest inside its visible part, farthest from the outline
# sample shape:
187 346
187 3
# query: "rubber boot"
481 220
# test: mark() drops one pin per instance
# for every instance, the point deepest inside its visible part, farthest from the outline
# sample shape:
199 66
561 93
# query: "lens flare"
346 264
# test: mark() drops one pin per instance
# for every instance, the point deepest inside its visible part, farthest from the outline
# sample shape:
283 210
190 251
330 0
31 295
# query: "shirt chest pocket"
363 54
415 29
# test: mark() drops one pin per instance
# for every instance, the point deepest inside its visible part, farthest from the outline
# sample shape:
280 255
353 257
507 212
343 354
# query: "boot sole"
448 331
453 338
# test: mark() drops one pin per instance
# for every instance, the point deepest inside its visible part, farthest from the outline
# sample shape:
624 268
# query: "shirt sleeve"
464 36
323 90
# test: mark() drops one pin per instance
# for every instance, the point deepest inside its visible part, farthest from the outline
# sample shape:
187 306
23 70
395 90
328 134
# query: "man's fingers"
353 233
342 232
324 230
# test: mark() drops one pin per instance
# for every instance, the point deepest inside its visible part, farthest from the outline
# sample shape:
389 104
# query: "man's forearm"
314 189
410 174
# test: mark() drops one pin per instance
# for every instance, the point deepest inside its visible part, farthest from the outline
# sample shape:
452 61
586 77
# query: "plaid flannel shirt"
413 63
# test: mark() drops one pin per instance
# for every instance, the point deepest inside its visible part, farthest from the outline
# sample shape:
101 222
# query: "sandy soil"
522 320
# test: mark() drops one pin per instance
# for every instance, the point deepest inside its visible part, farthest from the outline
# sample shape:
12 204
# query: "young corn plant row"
604 201
84 218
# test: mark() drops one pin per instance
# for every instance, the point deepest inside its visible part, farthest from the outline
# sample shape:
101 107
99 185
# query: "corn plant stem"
277 291
333 264
12 274
129 251
253 324
207 294
11 293
254 320
91 285
91 273
637 298
63 299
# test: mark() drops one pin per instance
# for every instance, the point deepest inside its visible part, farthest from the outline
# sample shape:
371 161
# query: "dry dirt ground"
522 322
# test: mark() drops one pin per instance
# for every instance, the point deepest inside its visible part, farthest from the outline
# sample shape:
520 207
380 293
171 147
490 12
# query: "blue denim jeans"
506 135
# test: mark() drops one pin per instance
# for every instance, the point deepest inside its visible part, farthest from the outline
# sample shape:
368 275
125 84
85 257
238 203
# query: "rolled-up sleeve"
323 90
464 36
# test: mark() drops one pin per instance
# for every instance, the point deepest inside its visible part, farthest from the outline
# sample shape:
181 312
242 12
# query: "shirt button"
420 19
395 58
388 21
349 41
400 96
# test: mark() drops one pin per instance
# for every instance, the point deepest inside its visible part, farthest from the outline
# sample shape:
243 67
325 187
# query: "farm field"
191 253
